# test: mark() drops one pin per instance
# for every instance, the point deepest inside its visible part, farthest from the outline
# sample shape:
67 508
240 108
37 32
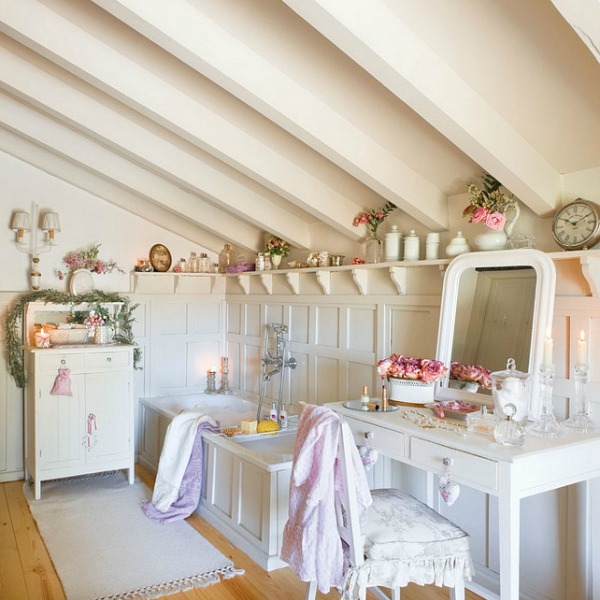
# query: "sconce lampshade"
20 221
51 222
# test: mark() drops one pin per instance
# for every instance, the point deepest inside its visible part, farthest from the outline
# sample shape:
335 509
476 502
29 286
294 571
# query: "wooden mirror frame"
541 323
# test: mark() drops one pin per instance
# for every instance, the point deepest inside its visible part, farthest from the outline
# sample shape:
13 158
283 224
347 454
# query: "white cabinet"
89 431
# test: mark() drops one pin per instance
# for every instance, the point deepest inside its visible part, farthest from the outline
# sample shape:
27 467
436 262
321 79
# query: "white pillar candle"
548 346
582 351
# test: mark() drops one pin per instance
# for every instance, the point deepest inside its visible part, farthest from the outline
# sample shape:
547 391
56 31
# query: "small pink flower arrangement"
475 373
397 366
373 218
88 259
277 246
488 203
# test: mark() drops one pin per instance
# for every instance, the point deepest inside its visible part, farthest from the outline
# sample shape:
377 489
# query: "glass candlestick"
546 425
580 418
225 389
211 381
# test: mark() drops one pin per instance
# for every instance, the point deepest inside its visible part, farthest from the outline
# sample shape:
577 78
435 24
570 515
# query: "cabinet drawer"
107 360
477 471
387 442
53 360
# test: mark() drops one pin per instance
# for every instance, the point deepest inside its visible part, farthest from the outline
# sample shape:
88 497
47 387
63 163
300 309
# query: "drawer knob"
63 362
369 435
447 462
109 359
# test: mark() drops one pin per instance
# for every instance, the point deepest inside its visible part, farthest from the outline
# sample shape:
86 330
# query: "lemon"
267 426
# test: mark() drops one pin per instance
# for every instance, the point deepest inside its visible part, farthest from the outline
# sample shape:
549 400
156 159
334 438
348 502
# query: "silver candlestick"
546 425
580 418
225 389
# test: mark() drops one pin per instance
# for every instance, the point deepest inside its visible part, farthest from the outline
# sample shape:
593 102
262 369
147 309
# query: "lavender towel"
189 491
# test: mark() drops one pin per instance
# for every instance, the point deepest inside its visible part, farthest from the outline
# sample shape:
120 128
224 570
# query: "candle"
548 346
582 351
42 339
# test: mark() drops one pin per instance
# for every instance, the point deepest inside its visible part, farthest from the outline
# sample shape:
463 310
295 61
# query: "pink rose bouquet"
488 204
374 218
475 373
397 366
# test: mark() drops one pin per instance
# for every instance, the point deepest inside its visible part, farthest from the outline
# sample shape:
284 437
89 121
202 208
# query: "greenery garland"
14 320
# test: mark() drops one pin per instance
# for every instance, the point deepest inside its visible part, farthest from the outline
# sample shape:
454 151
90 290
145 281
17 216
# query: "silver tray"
358 405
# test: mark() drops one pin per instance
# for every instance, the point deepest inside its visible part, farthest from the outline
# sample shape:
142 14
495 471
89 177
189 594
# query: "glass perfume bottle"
509 432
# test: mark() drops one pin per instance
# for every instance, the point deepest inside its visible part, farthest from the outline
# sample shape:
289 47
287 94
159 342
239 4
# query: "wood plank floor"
27 573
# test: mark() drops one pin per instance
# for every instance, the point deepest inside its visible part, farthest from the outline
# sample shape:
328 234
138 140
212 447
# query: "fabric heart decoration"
449 491
368 456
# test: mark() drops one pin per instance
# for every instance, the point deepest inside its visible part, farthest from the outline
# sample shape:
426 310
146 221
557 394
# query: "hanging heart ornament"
449 491
368 456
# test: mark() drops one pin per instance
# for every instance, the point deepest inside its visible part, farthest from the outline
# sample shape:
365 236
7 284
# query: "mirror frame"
545 288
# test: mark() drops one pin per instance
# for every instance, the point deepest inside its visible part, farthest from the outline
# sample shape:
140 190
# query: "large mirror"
495 305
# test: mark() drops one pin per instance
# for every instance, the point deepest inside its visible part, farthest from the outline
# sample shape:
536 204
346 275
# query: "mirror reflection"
493 319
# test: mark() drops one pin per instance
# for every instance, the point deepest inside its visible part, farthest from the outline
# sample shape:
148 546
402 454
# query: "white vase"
491 240
276 260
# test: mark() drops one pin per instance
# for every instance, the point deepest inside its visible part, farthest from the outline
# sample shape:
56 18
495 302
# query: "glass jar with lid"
511 386
225 258
204 263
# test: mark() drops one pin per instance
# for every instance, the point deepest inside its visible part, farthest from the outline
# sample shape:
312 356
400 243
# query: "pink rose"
479 215
495 221
356 221
432 370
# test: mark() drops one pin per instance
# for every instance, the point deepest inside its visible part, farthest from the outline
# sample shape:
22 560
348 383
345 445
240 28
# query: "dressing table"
508 473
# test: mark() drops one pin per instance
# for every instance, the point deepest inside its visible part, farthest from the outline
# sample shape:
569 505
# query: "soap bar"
248 427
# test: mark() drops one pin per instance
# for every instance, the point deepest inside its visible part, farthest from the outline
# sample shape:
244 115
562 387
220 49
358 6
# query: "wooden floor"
26 571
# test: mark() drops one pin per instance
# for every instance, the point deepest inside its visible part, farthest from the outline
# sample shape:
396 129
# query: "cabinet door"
108 416
58 419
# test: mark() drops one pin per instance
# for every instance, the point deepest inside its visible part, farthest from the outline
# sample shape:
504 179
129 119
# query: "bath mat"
104 547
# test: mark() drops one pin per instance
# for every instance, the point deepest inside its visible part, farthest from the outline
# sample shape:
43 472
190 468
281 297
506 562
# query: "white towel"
175 456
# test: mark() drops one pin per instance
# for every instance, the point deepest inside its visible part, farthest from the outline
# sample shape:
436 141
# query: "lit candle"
42 339
582 350
548 346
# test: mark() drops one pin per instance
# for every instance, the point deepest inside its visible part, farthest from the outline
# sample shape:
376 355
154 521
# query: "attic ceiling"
225 119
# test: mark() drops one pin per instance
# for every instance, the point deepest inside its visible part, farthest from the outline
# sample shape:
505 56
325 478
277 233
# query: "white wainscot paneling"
359 374
204 317
274 313
328 326
170 356
299 323
253 369
139 325
169 318
298 379
327 379
252 320
234 318
201 356
413 330
361 324
236 364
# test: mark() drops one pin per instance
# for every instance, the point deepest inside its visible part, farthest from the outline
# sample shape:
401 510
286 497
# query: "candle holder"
211 381
580 418
546 425
225 389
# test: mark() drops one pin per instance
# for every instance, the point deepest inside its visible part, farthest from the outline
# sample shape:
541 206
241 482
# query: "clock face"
577 226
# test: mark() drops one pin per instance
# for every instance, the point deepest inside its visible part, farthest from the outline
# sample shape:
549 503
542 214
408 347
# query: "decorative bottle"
283 418
411 246
204 266
365 399
225 258
273 414
432 246
392 244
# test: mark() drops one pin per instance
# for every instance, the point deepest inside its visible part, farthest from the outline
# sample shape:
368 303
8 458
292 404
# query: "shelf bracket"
399 276
293 280
244 281
267 280
324 280
361 279
590 267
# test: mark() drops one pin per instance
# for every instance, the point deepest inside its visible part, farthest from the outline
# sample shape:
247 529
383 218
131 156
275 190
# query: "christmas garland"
14 320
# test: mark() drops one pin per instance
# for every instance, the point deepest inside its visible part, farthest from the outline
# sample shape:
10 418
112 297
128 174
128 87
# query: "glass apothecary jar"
511 386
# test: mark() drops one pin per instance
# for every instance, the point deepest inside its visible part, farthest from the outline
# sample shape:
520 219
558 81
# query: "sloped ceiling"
226 119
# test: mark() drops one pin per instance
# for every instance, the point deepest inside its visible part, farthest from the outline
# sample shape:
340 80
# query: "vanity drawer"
386 441
107 360
53 361
477 471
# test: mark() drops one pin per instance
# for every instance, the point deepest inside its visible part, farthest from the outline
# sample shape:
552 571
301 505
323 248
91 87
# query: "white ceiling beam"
70 46
382 44
584 17
103 163
180 28
189 170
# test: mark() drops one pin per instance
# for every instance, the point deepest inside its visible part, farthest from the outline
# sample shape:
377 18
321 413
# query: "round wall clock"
576 226
160 258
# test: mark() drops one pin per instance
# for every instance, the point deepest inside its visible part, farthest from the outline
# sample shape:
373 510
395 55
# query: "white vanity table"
510 474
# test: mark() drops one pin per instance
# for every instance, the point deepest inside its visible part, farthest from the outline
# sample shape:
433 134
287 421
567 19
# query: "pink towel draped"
311 543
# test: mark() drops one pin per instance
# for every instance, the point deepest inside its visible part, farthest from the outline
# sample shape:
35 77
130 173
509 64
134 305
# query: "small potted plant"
277 249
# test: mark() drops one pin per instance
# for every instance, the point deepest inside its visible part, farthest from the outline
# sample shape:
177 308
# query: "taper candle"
582 350
548 347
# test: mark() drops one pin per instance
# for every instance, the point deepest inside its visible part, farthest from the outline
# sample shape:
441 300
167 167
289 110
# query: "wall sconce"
21 224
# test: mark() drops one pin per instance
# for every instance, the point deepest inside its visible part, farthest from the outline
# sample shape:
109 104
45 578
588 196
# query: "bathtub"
246 478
